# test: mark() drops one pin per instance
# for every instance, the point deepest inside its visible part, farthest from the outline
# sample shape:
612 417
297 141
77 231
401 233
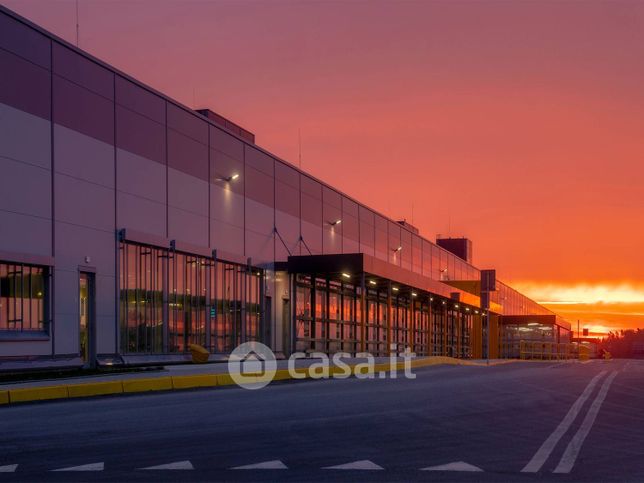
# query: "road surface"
516 422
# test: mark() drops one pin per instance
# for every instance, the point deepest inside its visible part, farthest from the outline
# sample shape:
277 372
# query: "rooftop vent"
225 123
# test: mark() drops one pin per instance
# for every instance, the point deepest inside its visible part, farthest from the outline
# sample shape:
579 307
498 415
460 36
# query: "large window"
22 298
334 323
141 277
170 300
376 322
188 300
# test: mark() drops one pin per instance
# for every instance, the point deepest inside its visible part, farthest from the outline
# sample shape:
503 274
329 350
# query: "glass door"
86 318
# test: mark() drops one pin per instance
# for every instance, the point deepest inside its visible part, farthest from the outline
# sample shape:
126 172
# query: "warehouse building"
132 226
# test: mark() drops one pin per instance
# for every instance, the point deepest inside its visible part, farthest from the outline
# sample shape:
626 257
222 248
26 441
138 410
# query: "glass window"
22 297
169 300
141 299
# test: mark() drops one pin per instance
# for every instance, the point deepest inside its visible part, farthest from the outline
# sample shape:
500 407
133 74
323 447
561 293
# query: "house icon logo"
252 365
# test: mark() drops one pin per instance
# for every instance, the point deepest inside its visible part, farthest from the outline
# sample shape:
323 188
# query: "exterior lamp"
395 250
414 294
346 275
336 222
395 289
373 282
431 299
456 306
228 179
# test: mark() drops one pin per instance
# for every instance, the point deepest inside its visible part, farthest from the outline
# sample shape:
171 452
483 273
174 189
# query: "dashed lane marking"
8 468
455 466
88 467
356 465
264 465
574 447
546 449
177 465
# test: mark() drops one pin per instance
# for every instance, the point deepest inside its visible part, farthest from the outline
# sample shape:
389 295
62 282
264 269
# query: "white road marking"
356 465
574 447
88 467
264 465
455 466
177 465
543 453
8 468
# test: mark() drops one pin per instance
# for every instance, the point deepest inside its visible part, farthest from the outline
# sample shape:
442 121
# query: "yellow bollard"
199 354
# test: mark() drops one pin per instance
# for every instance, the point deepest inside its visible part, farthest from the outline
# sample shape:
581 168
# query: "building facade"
132 226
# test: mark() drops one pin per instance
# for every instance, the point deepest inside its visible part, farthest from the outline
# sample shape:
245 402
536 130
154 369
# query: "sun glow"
601 307
582 293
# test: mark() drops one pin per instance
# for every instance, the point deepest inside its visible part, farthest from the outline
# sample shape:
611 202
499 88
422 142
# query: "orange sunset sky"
517 124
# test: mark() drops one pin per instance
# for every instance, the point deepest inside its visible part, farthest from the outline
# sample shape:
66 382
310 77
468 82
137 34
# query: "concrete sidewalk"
190 376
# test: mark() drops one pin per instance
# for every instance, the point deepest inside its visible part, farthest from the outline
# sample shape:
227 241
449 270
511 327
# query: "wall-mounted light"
444 302
373 282
395 289
336 222
456 306
395 250
228 179
467 309
431 299
346 275
414 294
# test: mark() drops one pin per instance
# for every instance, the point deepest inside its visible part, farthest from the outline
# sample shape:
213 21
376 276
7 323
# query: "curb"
179 383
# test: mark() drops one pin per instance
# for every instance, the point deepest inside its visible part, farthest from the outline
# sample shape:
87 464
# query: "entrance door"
87 314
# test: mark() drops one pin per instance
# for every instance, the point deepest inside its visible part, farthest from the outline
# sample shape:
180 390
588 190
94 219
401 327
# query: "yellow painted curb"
282 375
188 382
224 380
211 380
95 389
143 385
37 393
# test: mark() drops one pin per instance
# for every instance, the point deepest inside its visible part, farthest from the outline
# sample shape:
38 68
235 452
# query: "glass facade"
169 300
23 291
329 318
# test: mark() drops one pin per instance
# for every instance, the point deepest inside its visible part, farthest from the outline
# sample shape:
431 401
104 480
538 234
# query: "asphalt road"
514 422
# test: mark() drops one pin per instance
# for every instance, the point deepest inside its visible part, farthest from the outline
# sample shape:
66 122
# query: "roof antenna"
77 25
299 142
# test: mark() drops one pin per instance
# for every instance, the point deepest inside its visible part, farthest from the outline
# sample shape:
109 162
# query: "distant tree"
624 343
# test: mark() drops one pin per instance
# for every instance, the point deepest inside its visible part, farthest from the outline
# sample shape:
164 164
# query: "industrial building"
132 226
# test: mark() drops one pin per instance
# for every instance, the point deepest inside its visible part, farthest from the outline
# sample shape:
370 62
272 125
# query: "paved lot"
515 422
